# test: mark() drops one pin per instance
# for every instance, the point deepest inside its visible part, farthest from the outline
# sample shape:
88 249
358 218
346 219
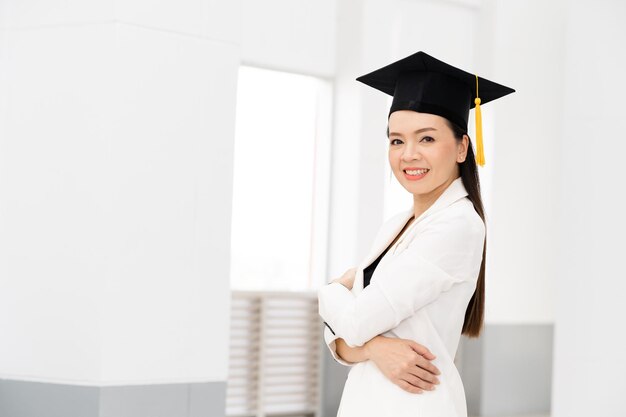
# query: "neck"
421 202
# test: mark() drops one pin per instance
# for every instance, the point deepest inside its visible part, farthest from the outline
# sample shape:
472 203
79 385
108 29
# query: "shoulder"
461 219
452 239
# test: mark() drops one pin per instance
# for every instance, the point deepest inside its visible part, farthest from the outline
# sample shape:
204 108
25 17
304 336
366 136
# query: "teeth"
417 171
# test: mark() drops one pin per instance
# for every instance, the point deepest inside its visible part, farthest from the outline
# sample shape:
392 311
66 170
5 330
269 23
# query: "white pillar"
116 129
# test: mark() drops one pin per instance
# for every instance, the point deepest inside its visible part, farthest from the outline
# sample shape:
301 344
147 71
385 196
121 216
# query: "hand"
347 279
404 362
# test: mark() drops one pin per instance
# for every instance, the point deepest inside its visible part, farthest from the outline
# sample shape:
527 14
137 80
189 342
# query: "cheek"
443 155
394 159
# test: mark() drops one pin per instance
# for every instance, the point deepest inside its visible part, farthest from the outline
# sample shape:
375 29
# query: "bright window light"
274 206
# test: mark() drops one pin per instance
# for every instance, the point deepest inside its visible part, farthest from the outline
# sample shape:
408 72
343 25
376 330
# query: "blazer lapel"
388 233
455 191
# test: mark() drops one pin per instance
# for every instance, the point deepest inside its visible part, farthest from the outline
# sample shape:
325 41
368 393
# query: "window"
280 182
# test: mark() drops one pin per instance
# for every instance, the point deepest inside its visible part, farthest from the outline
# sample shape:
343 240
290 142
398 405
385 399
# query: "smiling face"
424 144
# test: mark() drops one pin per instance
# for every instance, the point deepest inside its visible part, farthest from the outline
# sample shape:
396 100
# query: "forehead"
412 120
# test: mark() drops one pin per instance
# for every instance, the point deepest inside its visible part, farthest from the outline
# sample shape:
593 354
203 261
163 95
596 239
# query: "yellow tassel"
480 155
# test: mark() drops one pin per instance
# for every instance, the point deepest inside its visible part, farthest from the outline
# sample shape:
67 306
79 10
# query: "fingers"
418 374
420 383
427 366
408 387
350 273
422 350
425 356
415 385
424 375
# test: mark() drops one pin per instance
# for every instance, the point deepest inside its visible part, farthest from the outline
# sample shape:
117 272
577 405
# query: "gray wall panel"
166 400
517 369
38 399
471 371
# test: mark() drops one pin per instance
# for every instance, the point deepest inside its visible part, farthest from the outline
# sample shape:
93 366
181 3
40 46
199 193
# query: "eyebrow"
425 129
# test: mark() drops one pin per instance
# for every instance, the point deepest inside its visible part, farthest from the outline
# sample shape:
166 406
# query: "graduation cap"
425 84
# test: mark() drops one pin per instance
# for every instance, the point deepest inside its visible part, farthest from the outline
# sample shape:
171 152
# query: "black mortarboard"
425 84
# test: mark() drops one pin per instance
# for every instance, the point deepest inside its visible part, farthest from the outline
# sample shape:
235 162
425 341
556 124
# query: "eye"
392 140
428 137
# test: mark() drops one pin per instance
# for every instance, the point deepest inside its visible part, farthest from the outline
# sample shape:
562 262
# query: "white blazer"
419 291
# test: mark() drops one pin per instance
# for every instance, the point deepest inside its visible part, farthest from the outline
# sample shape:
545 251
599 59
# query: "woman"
424 277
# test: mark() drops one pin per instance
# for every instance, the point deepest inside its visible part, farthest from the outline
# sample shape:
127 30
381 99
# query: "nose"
411 153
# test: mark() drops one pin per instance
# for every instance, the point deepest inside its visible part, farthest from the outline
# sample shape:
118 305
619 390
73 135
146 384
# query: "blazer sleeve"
329 334
446 252
329 339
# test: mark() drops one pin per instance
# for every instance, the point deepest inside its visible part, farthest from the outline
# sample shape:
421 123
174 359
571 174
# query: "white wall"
114 222
528 40
288 35
115 184
589 362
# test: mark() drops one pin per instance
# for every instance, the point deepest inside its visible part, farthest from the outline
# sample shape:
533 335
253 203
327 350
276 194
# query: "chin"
414 188
418 190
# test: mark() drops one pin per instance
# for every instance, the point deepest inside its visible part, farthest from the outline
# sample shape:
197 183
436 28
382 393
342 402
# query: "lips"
416 171
415 175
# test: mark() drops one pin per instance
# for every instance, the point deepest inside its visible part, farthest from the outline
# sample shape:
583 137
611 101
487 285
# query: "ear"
462 149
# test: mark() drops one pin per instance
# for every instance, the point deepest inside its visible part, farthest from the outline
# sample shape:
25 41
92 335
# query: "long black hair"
474 314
